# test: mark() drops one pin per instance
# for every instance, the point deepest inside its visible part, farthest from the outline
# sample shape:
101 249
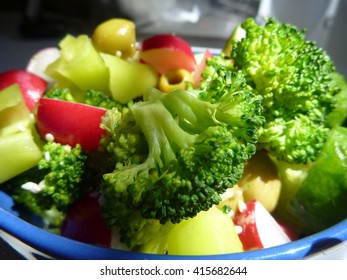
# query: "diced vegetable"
40 60
210 232
70 122
258 228
321 200
260 181
31 85
167 51
129 80
19 150
84 223
79 65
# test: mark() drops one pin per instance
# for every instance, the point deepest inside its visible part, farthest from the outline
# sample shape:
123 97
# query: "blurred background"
29 25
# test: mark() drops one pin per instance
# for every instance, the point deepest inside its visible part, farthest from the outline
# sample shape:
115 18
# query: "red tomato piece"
167 51
31 85
70 123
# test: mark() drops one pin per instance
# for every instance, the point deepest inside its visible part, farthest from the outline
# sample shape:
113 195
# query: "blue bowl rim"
60 247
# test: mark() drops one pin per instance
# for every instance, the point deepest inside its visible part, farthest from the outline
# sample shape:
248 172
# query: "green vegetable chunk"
321 200
19 149
79 65
129 80
19 152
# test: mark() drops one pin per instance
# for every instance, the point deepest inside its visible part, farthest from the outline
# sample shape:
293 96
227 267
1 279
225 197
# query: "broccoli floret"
60 94
191 150
294 77
339 114
100 99
124 141
91 97
218 71
55 183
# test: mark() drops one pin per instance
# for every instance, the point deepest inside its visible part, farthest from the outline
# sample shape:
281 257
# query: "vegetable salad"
150 147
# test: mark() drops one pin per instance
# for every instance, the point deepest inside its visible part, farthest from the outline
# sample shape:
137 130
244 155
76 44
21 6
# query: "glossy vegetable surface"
31 85
166 51
70 123
115 36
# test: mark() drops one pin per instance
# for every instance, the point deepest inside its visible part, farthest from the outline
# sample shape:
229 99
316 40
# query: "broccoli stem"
165 137
192 113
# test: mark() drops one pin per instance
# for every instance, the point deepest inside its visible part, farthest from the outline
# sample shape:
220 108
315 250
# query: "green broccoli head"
294 141
124 141
294 77
55 182
100 99
194 150
242 109
90 97
60 94
338 116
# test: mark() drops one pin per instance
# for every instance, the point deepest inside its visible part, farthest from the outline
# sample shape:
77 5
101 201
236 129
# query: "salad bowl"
23 234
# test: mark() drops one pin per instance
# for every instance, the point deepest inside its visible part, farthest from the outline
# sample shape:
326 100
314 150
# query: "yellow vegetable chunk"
260 181
27 154
209 232
129 80
14 114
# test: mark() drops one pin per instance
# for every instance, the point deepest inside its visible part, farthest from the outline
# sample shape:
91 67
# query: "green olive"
115 36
